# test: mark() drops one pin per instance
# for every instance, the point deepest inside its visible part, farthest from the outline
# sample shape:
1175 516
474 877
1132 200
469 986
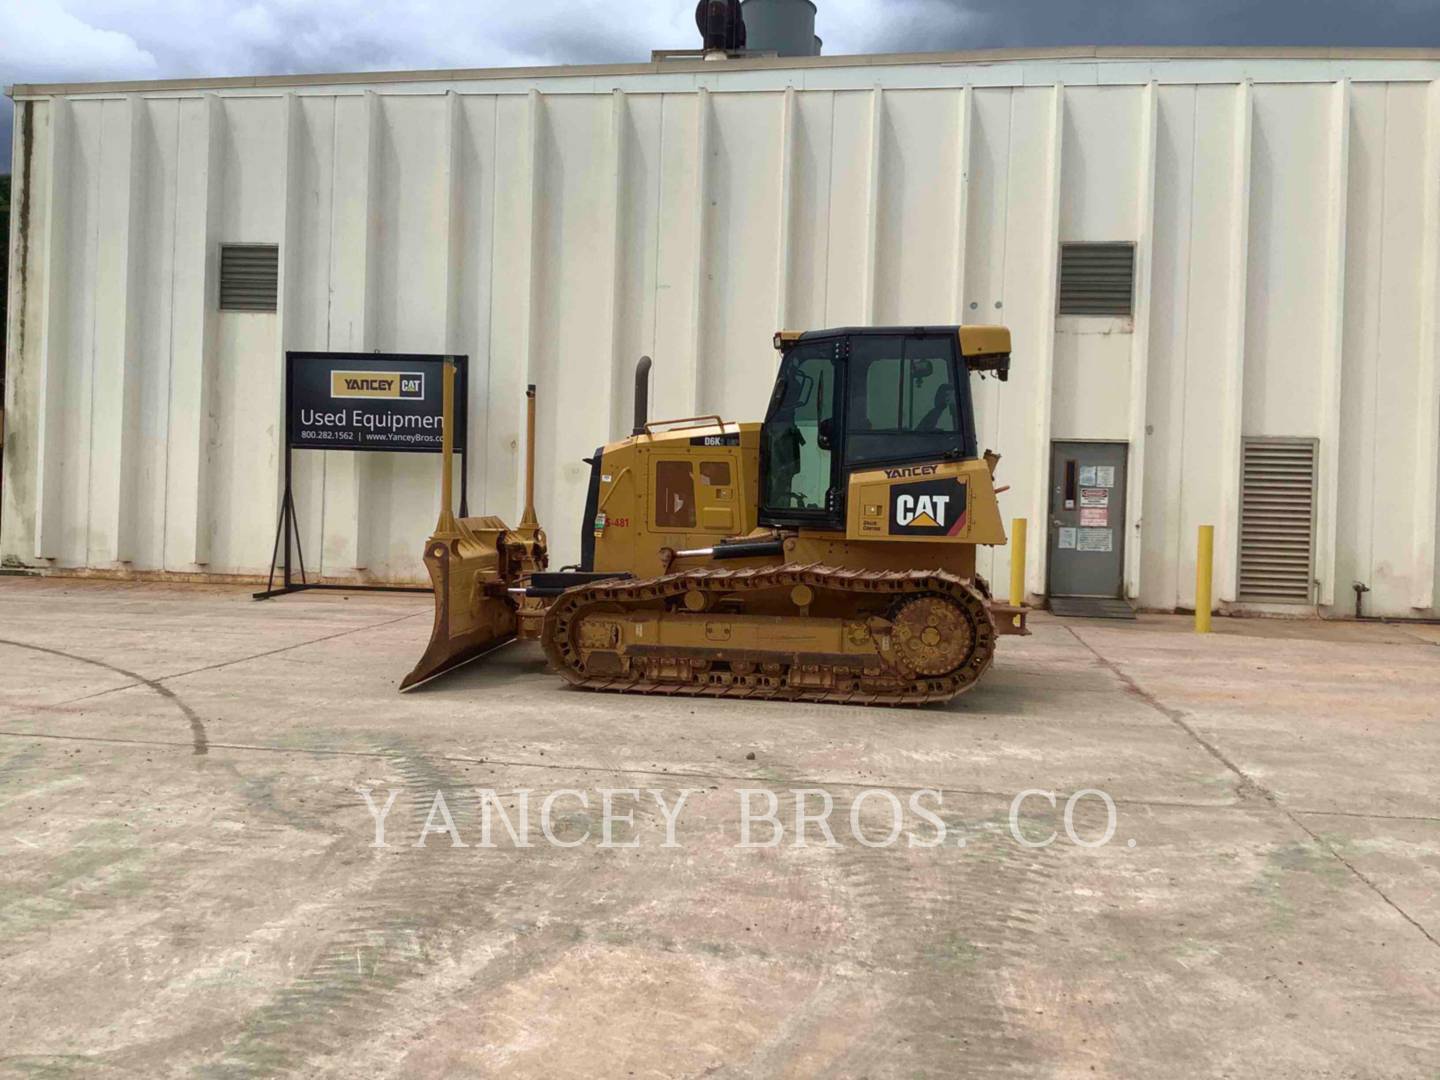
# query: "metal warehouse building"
1221 269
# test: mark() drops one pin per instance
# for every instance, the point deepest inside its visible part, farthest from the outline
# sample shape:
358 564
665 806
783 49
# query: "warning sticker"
1096 496
1104 476
1067 539
1095 516
1100 540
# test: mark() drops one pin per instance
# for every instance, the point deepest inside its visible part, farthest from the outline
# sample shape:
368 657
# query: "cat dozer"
826 554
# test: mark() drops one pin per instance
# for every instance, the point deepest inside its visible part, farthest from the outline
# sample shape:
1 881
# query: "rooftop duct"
783 27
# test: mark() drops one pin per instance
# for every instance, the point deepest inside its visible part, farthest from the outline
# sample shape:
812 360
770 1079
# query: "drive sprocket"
931 635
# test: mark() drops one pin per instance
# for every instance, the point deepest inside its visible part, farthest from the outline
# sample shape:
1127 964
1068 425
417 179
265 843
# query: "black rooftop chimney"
721 25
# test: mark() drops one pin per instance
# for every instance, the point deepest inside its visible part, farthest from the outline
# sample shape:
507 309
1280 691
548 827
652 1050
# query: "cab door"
800 476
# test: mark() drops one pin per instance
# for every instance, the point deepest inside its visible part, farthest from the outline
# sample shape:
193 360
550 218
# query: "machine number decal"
929 508
716 440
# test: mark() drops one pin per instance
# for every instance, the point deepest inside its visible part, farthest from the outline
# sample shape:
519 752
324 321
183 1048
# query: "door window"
798 432
715 473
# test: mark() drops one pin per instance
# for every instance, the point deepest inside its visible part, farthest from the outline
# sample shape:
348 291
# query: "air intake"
249 277
1277 521
1097 279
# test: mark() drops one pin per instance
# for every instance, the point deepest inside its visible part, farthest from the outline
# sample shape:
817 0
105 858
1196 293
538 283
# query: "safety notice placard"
1096 496
370 401
1094 516
1095 540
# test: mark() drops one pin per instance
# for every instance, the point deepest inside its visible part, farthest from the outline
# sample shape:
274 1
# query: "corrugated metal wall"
1286 215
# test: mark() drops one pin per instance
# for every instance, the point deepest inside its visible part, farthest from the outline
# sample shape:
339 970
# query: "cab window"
904 399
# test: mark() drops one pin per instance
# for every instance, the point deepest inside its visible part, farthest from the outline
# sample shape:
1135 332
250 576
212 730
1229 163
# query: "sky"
99 40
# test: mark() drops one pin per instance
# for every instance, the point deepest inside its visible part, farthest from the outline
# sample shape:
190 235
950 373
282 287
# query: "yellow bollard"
1204 578
1018 529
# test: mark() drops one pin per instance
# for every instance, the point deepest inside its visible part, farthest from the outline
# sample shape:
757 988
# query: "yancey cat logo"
929 508
406 385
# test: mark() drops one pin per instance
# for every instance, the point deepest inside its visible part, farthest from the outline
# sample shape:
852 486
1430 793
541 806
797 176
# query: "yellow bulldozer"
826 554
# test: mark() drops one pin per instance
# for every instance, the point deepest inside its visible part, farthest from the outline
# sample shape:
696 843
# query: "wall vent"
1277 521
249 277
1097 279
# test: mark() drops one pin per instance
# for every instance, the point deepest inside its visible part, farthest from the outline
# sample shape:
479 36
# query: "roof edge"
973 56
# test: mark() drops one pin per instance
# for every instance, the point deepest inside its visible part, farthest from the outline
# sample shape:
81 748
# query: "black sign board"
370 401
361 401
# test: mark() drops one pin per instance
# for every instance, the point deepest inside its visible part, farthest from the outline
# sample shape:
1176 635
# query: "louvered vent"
249 277
1097 279
1277 521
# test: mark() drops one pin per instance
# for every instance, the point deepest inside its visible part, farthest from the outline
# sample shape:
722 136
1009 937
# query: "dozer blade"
472 612
473 562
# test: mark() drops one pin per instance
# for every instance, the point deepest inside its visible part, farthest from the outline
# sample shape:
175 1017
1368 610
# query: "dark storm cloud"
984 24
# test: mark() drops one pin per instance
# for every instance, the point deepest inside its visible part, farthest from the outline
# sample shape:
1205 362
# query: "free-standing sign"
361 401
370 401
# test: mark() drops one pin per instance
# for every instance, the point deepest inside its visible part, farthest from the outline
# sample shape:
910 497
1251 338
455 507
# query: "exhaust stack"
642 395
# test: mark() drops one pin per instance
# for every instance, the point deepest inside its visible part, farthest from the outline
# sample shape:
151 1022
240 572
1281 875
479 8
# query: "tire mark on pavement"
240 659
200 744
430 915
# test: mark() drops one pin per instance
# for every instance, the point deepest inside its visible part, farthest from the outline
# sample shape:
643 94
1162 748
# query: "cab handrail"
685 422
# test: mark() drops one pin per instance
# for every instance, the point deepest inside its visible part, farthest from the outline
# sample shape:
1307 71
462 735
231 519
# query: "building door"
1087 519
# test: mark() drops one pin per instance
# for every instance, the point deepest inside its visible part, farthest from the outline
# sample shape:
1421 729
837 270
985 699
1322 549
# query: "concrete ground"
190 888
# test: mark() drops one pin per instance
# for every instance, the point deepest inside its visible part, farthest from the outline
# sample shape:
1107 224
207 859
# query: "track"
897 669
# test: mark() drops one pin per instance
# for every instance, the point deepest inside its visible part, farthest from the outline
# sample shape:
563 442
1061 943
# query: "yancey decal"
911 470
928 508
378 384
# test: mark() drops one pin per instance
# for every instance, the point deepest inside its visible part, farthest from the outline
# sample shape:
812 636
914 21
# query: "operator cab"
867 398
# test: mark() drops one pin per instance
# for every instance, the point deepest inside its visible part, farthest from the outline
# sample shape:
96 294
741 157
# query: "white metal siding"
1285 212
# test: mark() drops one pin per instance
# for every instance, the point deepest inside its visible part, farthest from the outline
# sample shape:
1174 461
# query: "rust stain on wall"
22 220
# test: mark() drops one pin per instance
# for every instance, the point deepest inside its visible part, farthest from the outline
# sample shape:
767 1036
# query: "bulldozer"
827 554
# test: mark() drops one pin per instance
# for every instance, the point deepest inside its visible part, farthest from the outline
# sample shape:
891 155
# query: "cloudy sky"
84 40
